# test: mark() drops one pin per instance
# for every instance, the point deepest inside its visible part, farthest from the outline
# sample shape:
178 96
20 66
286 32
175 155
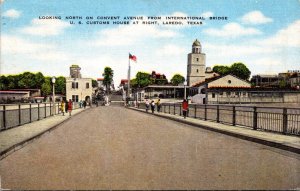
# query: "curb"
237 135
22 144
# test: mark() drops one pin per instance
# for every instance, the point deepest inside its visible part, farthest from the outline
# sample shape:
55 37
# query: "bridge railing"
13 115
273 119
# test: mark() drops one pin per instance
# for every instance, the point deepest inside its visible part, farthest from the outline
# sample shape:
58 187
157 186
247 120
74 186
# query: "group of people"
66 107
151 104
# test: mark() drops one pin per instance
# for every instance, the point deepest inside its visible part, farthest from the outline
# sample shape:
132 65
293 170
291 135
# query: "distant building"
201 91
266 80
100 82
14 96
75 71
196 64
78 88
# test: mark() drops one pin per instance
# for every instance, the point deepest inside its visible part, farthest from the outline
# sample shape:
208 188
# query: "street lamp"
184 83
53 94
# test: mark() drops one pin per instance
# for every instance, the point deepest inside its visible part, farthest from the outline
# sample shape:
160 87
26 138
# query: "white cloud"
46 27
207 14
16 46
232 30
171 49
255 17
11 13
288 37
131 34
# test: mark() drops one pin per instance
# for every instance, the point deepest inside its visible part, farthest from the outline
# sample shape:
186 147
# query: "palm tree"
108 78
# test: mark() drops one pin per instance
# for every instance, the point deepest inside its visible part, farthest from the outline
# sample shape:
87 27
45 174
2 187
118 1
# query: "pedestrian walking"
158 105
152 106
62 107
84 104
66 106
70 107
147 105
185 108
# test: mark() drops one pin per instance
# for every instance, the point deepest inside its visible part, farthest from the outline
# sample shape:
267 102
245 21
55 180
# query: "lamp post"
184 83
53 94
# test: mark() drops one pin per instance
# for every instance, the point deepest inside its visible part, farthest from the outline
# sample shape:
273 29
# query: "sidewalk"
285 142
15 138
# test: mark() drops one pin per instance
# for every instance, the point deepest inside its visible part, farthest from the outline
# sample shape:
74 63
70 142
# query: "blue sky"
263 34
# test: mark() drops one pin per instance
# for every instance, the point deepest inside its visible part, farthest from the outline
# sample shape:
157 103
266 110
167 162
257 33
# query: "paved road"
115 148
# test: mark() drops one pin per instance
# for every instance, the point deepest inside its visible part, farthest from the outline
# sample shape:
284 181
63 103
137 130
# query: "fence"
273 119
13 115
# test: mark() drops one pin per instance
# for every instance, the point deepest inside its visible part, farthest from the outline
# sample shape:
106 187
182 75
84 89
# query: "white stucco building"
78 88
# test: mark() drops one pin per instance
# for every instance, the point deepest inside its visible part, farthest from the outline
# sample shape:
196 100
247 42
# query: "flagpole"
128 89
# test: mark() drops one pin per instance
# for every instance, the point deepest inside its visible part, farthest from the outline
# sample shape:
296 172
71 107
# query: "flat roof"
13 92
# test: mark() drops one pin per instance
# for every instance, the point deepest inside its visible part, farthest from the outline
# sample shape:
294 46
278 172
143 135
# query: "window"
197 59
75 98
221 93
229 81
87 85
244 93
213 95
228 93
197 71
74 85
237 93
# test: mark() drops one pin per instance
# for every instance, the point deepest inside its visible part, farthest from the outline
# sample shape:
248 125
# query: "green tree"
3 83
60 85
27 80
94 84
240 70
39 80
108 77
46 87
282 84
222 70
177 79
142 79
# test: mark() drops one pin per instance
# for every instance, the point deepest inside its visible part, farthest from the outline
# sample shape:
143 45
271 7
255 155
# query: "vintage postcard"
150 94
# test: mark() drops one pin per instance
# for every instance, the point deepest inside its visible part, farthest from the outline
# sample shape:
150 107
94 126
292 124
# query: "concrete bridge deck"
117 148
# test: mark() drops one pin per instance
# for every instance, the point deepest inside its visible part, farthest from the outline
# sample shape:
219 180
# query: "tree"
240 70
108 77
177 79
27 80
60 85
94 84
46 87
142 79
39 80
222 70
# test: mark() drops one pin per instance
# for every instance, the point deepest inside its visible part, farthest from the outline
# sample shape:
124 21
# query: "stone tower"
75 71
195 64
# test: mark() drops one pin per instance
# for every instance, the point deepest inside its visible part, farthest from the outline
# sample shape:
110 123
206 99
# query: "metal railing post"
30 117
218 114
38 111
4 116
195 111
19 114
180 110
254 118
45 110
50 109
174 109
205 112
233 115
169 108
284 121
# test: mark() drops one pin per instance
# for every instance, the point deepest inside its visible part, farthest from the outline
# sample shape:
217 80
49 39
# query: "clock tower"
195 64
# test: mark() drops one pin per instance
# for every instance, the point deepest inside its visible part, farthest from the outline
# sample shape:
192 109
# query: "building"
14 96
100 82
78 88
201 92
75 71
196 64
